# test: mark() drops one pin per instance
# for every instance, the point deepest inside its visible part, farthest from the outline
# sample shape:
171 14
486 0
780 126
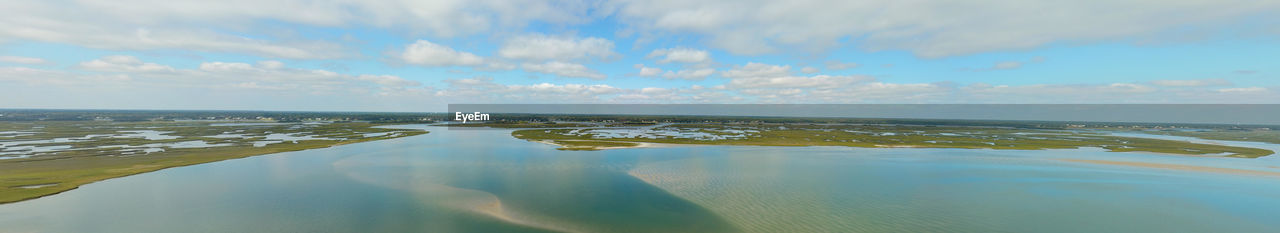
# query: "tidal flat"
39 158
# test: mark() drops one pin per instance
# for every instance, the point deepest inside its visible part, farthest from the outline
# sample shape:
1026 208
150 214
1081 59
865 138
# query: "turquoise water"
486 181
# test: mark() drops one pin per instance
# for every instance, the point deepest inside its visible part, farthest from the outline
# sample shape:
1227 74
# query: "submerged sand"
638 144
462 199
1179 167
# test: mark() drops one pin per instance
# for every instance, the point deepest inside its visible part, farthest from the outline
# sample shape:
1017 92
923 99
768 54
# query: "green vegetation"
522 124
893 136
1024 124
88 151
590 144
1267 135
172 115
547 124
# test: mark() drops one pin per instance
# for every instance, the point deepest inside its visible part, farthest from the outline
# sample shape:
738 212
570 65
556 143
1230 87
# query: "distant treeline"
172 115
402 117
836 120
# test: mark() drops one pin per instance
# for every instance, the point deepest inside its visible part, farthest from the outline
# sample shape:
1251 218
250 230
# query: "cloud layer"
104 78
933 28
399 54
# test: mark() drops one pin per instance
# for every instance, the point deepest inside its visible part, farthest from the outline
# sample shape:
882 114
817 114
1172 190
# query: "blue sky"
421 55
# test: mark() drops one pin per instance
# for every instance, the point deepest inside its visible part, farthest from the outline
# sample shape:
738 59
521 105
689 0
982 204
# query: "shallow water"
292 137
247 124
20 149
487 181
149 134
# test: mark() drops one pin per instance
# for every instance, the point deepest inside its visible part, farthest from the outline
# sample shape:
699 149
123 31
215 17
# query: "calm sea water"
487 181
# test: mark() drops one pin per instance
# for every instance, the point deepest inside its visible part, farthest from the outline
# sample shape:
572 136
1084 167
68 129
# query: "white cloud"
1007 65
225 66
120 63
837 65
759 75
232 25
750 27
1081 93
498 65
690 74
754 70
24 60
648 71
538 47
695 64
681 55
125 82
809 70
1243 90
119 36
655 90
216 86
269 64
866 91
483 89
1192 83
933 28
234 85
880 92
45 78
764 83
388 80
263 75
819 81
1069 90
564 69
425 53
566 89
274 75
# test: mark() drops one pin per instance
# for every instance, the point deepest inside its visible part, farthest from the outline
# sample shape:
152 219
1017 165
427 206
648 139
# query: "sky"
360 55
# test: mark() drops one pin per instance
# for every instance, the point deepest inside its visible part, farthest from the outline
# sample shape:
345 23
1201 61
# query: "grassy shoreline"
44 175
897 136
1263 136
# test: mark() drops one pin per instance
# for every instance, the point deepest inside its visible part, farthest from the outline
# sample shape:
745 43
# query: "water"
148 134
294 137
247 124
487 181
652 132
18 149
